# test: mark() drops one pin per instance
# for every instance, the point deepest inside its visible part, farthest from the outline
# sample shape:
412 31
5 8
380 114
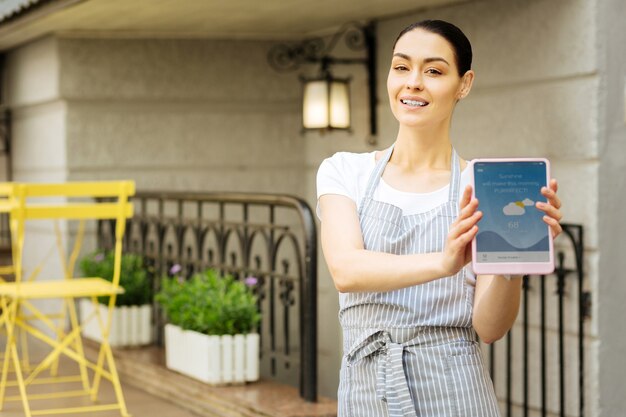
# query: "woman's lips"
414 102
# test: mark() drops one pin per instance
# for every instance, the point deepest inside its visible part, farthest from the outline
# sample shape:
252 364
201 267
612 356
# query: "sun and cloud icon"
517 208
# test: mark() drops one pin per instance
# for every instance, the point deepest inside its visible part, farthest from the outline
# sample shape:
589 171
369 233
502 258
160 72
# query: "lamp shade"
326 104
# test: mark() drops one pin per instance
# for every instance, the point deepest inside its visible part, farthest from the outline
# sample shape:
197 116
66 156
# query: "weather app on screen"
512 228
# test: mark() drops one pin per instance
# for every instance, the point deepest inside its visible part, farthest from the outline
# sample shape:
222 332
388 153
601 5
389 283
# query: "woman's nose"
415 81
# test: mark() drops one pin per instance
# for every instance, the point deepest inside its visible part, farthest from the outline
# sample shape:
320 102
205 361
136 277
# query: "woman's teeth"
414 103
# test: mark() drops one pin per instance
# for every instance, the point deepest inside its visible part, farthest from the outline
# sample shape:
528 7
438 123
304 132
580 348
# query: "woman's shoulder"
352 158
349 162
344 173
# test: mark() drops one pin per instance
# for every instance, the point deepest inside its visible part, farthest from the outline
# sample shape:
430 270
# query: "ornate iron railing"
5 152
270 237
544 353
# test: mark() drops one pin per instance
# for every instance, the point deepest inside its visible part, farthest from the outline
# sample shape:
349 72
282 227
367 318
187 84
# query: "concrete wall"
180 114
611 309
38 112
31 91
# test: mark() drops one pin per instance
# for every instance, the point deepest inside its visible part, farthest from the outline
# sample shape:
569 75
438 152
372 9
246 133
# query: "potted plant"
132 317
211 334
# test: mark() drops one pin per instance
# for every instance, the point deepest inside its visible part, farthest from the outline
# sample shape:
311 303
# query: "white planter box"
130 326
212 359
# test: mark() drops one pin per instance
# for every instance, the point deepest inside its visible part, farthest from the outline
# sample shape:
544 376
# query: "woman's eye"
400 68
433 71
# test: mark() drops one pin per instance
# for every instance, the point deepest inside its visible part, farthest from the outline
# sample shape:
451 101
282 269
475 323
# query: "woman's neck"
421 149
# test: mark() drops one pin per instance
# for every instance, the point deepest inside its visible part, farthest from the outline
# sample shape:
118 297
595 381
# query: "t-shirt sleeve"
335 177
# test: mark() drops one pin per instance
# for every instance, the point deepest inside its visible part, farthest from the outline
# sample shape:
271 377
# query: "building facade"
193 113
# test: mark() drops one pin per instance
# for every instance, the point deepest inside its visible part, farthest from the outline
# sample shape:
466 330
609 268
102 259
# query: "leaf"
134 277
209 303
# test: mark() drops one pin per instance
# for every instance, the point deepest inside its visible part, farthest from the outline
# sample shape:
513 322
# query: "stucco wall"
180 114
38 141
31 91
611 309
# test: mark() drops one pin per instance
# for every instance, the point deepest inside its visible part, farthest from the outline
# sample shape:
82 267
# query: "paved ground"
139 403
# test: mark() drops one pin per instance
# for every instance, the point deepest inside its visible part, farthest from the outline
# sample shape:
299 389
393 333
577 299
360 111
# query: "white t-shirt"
347 173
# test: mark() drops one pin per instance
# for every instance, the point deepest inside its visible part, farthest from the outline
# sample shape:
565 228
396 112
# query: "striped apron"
412 352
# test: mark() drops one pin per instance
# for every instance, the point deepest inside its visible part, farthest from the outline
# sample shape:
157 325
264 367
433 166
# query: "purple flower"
250 281
175 269
99 257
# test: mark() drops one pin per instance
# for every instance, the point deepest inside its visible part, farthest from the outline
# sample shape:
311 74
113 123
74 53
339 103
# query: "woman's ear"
466 84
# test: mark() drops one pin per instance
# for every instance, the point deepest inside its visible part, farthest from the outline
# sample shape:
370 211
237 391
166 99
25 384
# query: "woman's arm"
353 268
496 303
496 299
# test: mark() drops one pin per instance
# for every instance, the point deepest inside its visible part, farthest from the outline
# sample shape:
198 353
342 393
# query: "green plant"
209 303
133 276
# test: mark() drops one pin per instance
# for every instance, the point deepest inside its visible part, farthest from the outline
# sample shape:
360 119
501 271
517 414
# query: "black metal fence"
539 368
270 237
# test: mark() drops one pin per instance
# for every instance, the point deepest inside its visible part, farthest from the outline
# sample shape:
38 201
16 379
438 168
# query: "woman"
396 231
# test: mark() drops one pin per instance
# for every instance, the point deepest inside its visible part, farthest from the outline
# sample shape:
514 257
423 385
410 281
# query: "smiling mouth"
414 103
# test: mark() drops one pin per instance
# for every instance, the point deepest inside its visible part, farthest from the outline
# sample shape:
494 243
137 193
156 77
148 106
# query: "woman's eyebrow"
425 60
434 59
403 56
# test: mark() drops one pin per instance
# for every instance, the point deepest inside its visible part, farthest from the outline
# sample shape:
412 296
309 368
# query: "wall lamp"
325 98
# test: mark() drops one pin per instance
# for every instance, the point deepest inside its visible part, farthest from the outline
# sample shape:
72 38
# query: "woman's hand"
458 251
551 208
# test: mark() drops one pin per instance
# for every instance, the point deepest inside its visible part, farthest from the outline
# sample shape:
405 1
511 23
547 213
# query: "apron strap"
455 177
374 178
391 384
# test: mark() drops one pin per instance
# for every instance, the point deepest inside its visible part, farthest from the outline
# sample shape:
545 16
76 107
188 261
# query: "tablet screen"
512 228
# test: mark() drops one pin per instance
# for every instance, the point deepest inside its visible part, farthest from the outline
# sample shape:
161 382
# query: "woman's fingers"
467 237
468 210
550 193
467 196
550 210
554 185
461 232
555 226
463 225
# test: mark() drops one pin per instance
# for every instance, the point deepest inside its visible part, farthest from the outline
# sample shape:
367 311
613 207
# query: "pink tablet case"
512 268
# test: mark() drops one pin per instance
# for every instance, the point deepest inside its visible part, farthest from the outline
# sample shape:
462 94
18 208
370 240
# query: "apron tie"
391 383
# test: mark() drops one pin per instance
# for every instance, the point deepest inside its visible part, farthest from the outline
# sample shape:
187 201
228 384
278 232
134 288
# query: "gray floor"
139 403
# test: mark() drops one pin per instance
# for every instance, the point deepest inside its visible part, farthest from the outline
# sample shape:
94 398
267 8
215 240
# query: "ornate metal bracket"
358 37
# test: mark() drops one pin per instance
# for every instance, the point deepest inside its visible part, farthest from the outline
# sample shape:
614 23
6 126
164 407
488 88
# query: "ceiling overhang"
217 19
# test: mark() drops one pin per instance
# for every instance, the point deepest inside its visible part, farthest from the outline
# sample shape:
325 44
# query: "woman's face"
423 83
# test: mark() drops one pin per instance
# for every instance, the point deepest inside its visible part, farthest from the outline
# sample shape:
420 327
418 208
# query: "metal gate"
269 237
539 367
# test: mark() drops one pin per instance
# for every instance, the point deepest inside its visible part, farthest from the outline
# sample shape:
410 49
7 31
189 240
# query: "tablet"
512 236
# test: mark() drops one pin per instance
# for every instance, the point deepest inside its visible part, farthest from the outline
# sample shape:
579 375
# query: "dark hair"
460 44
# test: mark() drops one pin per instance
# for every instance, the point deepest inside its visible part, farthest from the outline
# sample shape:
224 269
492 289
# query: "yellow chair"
18 295
6 195
6 191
